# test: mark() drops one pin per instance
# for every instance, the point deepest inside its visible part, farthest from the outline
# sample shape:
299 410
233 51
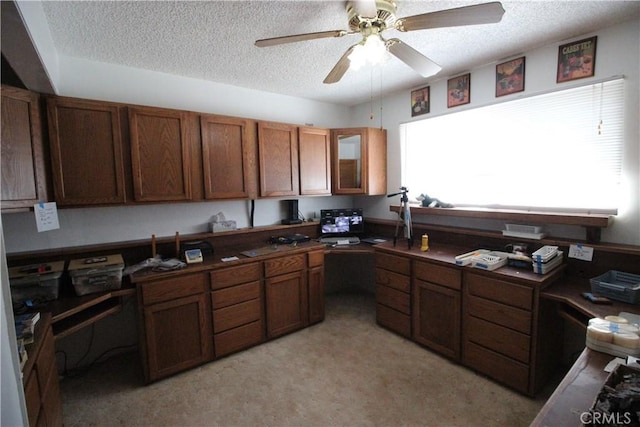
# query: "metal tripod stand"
404 217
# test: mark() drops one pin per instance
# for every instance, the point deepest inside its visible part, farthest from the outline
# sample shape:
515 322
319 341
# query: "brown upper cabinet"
278 154
160 154
314 149
359 161
23 165
86 151
228 157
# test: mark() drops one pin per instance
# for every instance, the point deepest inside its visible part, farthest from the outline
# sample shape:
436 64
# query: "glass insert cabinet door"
349 161
347 165
359 164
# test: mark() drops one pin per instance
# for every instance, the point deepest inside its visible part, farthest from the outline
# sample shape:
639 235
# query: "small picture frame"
510 77
459 90
420 101
577 60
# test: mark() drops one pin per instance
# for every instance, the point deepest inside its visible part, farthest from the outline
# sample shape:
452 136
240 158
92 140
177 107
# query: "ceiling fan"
372 17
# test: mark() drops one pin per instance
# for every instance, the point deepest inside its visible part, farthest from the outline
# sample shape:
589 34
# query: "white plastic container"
489 261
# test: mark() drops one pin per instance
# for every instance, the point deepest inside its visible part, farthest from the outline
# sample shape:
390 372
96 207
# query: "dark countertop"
576 392
569 291
446 254
215 262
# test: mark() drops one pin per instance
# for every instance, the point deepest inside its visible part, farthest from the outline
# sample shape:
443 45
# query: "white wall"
618 53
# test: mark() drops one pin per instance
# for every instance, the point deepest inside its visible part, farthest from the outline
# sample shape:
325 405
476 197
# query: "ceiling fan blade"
365 8
485 13
300 37
414 59
340 68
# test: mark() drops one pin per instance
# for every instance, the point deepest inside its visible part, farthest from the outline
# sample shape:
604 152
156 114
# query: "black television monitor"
341 222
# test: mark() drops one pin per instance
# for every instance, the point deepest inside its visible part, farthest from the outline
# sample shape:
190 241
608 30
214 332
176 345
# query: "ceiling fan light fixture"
371 50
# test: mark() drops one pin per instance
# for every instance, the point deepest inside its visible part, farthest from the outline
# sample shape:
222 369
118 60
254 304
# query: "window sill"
593 223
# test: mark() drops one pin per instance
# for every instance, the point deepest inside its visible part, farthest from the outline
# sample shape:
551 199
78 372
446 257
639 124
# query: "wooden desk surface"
579 388
576 393
569 291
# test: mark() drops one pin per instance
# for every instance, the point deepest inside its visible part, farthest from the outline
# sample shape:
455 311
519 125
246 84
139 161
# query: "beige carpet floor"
346 371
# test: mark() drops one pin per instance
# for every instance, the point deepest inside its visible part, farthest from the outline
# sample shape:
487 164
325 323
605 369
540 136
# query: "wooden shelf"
69 315
593 223
492 234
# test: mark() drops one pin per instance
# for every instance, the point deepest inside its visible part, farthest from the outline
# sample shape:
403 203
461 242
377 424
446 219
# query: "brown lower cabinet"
237 299
437 306
393 293
316 286
498 329
491 322
287 296
40 378
188 319
176 324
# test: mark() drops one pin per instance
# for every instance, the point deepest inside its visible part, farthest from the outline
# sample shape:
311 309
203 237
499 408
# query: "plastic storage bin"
618 286
96 274
36 282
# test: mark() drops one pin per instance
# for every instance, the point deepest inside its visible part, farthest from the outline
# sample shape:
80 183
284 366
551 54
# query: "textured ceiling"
214 40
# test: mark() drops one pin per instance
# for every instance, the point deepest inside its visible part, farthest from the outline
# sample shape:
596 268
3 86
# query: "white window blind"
560 150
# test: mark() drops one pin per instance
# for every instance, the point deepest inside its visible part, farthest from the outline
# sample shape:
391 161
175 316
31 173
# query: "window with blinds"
560 150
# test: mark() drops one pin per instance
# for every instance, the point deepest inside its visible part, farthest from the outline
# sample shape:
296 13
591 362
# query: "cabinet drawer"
500 291
497 366
238 338
393 298
316 258
505 315
394 320
236 315
441 275
173 288
394 263
393 280
498 338
230 276
234 295
284 264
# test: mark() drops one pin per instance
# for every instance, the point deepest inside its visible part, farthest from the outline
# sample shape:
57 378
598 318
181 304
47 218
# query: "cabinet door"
287 303
178 335
86 152
278 153
359 161
315 161
160 154
348 150
228 157
23 167
375 165
436 318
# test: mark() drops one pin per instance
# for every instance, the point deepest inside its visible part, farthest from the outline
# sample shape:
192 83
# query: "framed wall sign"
459 90
510 77
576 60
420 100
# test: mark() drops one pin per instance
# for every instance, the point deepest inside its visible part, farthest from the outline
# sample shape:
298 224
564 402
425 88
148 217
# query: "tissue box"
219 226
